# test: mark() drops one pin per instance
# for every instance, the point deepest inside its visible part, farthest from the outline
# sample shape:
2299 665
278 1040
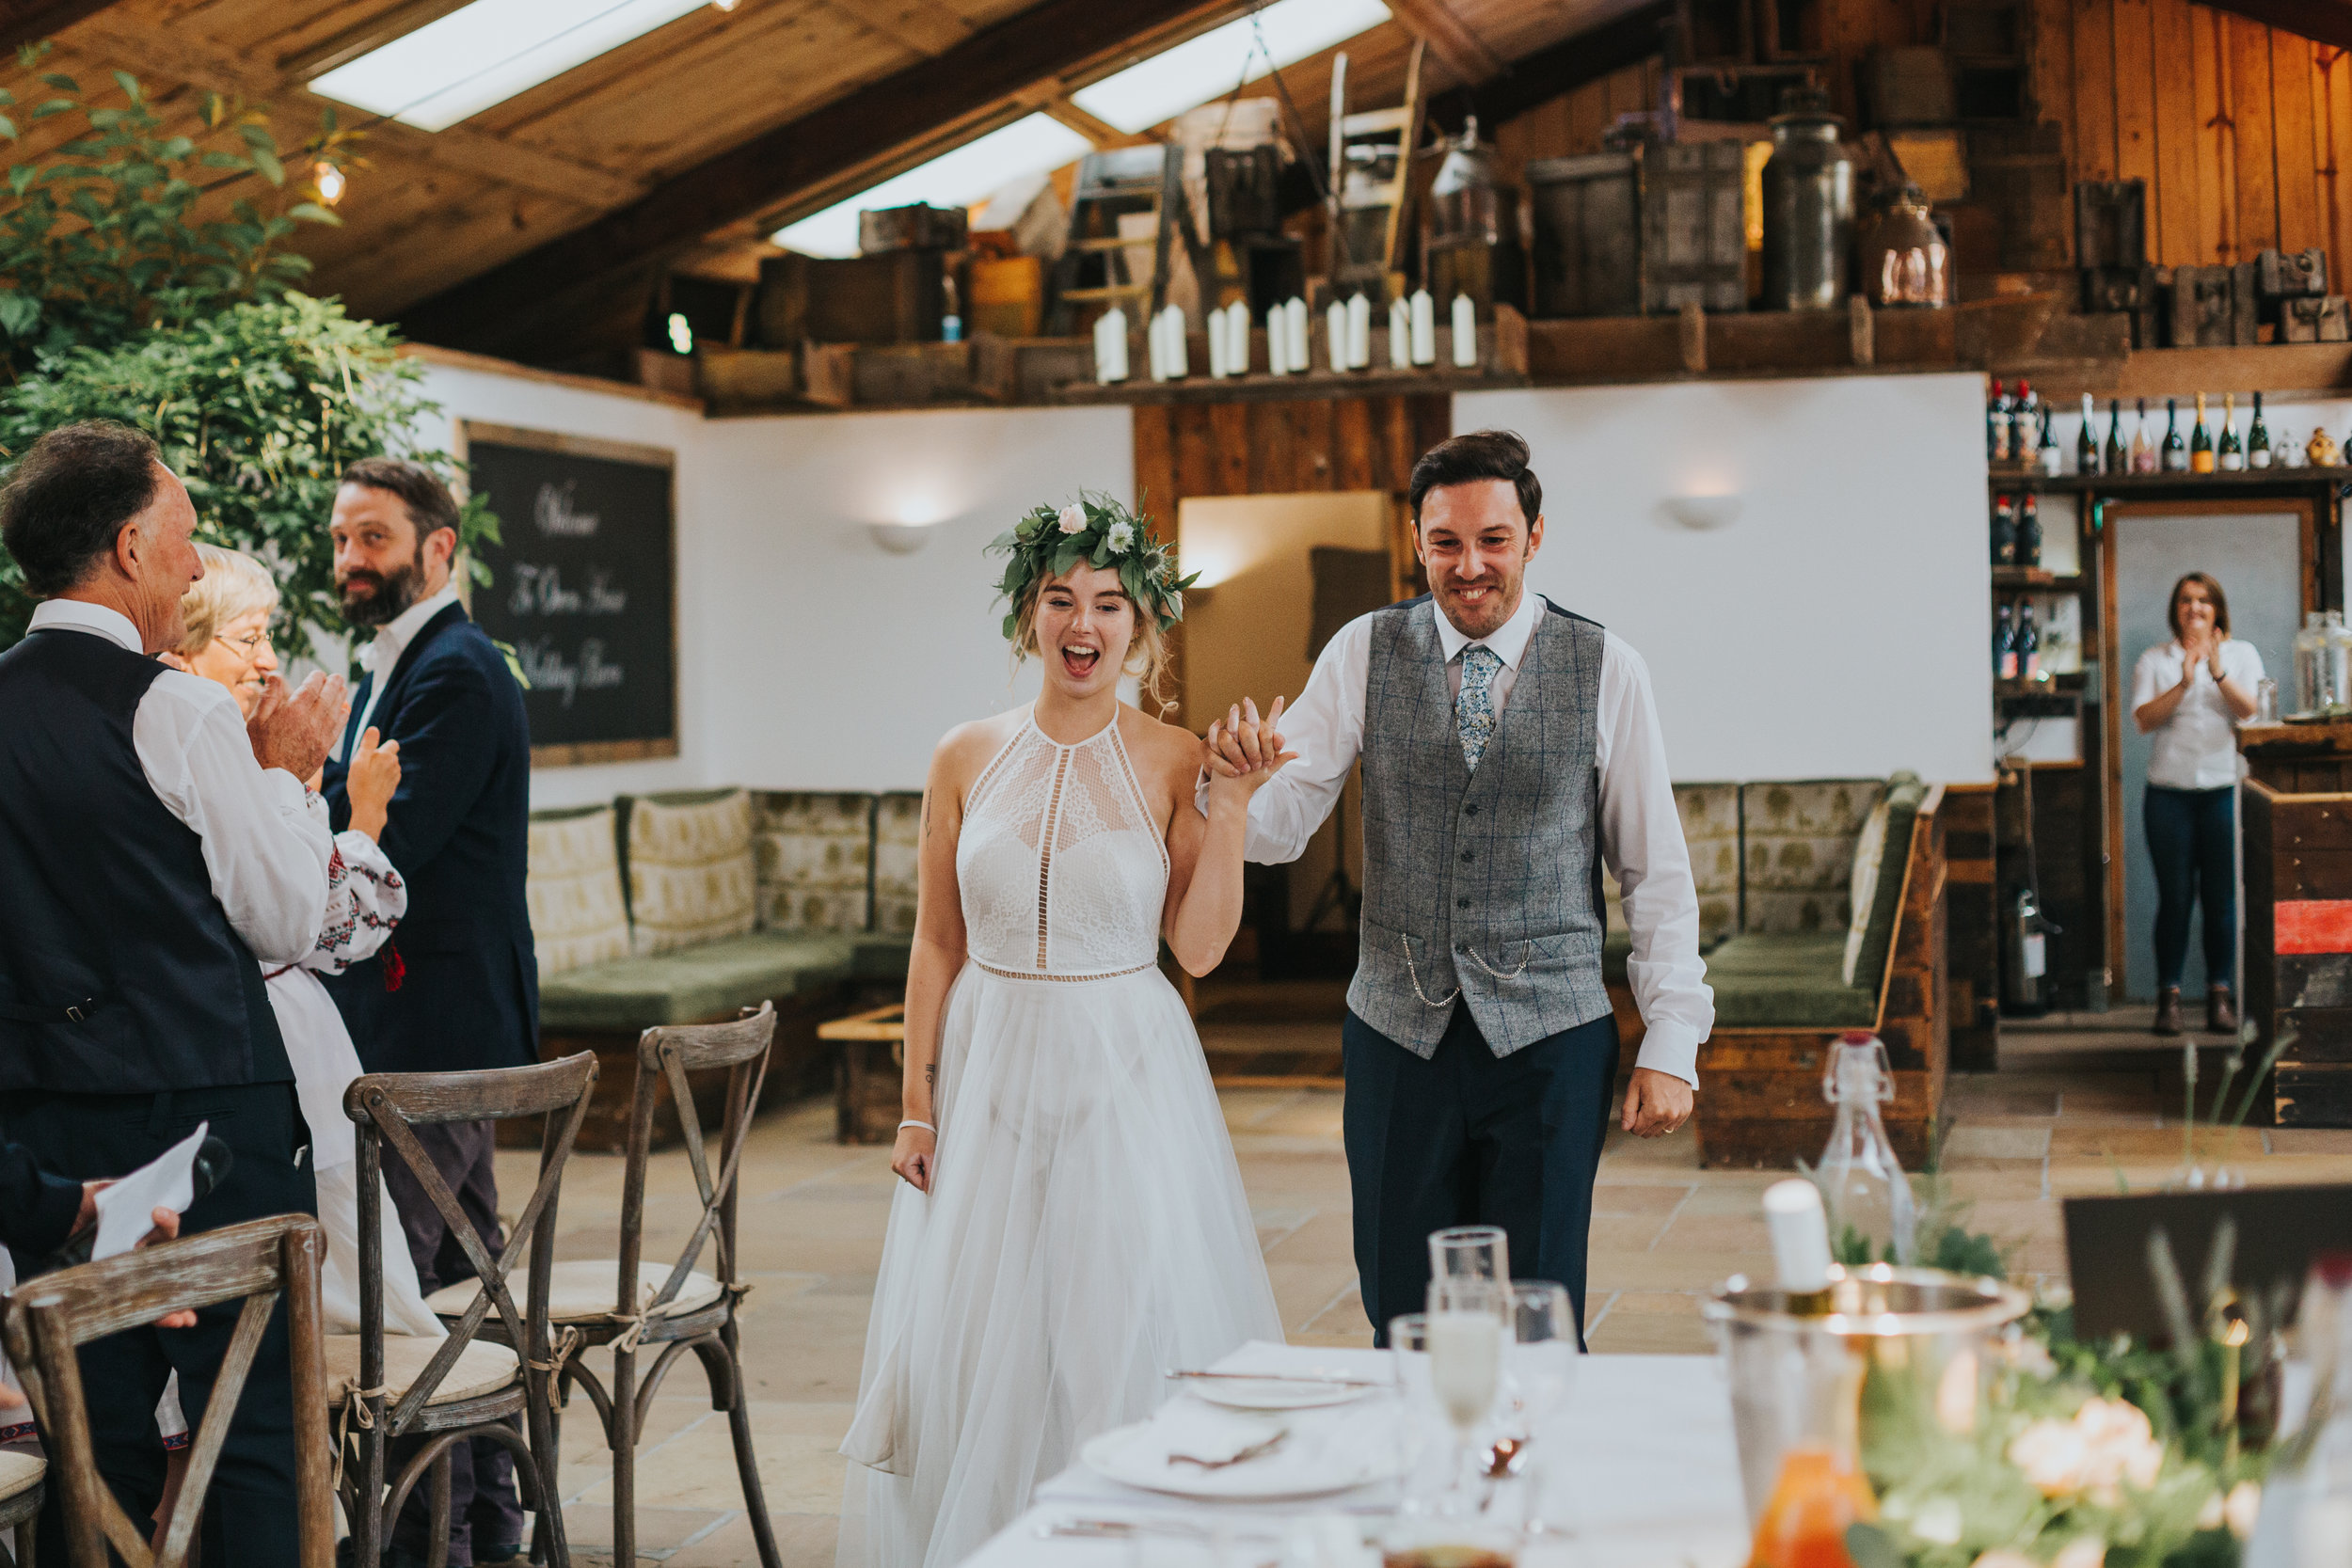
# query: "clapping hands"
1243 751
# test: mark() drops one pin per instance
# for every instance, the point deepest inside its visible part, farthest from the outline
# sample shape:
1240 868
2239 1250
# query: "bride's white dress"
1086 1228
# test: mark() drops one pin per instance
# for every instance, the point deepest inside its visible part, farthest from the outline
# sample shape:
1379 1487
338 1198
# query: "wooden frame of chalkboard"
472 435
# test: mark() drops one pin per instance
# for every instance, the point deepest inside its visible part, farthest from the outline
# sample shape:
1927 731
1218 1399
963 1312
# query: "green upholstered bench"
694 983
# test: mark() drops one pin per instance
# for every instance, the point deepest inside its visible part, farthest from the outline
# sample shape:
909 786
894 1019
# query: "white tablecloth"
1648 1440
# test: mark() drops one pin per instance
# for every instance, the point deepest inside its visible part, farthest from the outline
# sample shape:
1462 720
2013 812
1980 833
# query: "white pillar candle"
1277 340
1101 354
1237 338
1179 344
1358 332
1335 334
1400 335
1115 344
1216 322
1800 1233
1424 328
1156 348
1464 332
1294 321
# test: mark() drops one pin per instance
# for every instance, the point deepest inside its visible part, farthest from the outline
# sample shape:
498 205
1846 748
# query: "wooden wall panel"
2173 223
2135 98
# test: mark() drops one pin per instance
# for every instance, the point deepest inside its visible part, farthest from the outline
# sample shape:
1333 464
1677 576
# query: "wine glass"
1467 1324
1542 1361
1416 1411
1470 1252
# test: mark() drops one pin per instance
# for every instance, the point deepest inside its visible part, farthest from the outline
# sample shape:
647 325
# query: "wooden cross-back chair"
634 1307
51 1317
470 1384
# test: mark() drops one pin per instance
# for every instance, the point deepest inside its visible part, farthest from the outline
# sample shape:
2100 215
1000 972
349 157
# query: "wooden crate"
2298 947
897 297
1694 244
1004 296
868 1081
1586 218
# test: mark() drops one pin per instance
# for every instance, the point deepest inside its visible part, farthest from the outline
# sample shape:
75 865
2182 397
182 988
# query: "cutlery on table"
1320 1379
1240 1456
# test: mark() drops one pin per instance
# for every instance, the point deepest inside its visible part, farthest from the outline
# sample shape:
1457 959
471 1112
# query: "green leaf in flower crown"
1012 624
1871 1547
1065 558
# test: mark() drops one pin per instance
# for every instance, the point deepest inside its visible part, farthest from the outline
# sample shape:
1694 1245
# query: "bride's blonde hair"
1146 650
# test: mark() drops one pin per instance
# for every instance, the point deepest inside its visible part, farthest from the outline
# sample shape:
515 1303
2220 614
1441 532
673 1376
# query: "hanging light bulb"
724 5
330 182
681 335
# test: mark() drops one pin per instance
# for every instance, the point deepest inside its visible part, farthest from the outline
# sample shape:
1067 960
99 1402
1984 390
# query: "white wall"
1840 627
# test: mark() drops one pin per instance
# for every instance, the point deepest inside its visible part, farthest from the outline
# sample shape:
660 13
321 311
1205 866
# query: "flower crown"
1100 531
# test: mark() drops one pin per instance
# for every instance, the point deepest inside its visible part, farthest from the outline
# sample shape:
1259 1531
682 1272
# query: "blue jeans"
2192 836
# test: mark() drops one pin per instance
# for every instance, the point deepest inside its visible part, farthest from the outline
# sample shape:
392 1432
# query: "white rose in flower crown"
1121 535
1939 1521
1074 519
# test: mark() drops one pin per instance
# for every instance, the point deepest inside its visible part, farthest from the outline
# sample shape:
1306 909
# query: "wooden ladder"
1371 127
1111 185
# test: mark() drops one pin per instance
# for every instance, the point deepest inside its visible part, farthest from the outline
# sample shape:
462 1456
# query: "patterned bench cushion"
897 846
578 915
816 860
1800 836
694 983
692 875
1788 980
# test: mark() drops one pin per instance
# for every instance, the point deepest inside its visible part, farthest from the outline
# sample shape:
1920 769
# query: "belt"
75 1012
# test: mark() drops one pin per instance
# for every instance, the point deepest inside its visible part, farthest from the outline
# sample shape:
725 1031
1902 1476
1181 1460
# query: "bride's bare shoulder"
963 750
1157 743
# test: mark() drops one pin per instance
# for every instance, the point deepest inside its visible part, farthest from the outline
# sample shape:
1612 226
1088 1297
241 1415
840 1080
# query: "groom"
1510 749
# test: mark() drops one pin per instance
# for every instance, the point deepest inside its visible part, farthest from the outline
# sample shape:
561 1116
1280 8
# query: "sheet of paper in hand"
126 1210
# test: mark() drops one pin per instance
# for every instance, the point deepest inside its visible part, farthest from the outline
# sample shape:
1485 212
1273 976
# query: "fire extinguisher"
2025 930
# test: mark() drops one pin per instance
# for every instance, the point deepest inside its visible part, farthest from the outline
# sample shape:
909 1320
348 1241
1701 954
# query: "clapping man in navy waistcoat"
155 850
1510 749
458 988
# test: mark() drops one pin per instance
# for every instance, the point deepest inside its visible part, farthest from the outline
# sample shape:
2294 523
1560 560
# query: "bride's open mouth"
1079 661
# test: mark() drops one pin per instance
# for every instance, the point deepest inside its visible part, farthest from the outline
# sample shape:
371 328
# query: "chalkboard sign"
582 588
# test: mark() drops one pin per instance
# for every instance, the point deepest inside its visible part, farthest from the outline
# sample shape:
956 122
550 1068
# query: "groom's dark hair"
1481 454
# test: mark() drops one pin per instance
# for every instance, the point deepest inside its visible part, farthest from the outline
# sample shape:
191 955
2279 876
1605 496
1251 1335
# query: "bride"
1071 1222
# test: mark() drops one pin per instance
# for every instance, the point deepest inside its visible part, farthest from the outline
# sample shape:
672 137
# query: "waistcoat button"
1461 903
1469 811
1466 857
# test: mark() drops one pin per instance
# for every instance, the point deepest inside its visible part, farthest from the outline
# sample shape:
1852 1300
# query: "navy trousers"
1470 1139
2192 836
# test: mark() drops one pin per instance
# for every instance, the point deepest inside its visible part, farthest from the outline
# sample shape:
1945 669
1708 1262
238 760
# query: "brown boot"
2168 1011
2221 1011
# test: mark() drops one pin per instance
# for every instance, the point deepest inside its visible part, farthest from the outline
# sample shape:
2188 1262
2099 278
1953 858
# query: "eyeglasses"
249 646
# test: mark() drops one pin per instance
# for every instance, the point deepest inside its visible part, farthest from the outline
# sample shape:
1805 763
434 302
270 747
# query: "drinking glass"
1470 1252
1467 1324
1416 1411
1542 1369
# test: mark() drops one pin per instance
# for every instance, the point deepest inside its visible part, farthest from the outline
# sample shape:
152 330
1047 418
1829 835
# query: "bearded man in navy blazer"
458 989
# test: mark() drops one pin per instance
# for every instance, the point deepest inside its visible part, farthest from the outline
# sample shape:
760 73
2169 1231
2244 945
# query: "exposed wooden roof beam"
1565 65
363 38
922 25
2327 21
178 55
1450 39
868 133
1102 132
30 21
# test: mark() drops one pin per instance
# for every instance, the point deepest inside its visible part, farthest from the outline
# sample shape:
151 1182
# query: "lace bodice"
1062 867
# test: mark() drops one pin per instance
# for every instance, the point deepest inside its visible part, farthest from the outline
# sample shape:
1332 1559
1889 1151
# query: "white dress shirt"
266 856
381 657
1640 827
2197 747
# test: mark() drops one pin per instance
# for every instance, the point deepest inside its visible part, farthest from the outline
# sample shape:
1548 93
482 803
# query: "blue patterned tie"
1474 709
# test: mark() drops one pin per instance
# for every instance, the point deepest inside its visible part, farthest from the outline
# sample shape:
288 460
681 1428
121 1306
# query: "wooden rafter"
1102 132
1450 39
996 75
30 21
2327 21
1561 68
343 48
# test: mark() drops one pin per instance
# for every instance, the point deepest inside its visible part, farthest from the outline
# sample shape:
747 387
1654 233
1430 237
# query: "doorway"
2262 552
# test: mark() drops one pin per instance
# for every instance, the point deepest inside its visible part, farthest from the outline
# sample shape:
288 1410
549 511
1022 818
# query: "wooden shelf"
2130 486
2034 577
2070 684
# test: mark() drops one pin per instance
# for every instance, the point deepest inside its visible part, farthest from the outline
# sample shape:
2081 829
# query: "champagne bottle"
2046 454
2201 442
2258 439
2175 455
1996 426
2028 643
2024 417
2028 532
2118 456
2005 646
2233 455
2003 531
2087 444
2143 446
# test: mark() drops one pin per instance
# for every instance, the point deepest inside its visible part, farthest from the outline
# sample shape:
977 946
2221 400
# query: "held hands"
1243 751
374 775
911 1159
1656 1103
296 732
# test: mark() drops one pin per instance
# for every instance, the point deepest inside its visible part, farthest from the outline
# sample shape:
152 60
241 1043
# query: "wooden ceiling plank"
2321 21
205 63
1450 39
30 21
970 82
923 25
317 60
1588 56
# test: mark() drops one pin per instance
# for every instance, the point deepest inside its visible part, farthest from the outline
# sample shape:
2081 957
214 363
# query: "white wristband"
924 1125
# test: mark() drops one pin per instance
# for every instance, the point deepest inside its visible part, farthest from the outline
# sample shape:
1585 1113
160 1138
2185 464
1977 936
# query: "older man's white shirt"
266 856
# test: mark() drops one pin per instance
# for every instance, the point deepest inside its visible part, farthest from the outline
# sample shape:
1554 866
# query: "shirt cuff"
1672 1049
286 792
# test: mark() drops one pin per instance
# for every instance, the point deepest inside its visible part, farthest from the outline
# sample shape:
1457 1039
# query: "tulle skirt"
1085 1232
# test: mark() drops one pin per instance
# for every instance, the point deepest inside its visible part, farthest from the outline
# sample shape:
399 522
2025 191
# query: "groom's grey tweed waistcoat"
1488 881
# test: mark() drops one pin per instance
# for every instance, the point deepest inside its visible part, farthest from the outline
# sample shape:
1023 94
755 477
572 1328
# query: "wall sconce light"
899 538
1703 512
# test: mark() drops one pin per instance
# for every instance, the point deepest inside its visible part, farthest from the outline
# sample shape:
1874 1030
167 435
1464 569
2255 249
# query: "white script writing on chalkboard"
557 516
550 670
540 591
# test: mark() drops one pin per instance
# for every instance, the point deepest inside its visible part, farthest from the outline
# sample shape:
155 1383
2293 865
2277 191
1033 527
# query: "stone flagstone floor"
2077 1108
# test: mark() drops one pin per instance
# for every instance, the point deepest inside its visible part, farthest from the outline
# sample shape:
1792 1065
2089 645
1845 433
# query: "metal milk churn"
1808 207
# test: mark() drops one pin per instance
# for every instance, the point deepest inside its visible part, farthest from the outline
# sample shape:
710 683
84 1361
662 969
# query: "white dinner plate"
1314 1461
1275 1393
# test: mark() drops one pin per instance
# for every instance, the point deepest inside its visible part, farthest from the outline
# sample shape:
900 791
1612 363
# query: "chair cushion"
1905 792
1799 836
692 878
583 1292
696 983
1788 980
481 1368
20 1472
578 915
816 860
897 846
1862 894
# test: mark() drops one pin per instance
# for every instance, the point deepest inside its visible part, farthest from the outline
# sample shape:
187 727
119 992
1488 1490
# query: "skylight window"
486 53
1210 66
957 179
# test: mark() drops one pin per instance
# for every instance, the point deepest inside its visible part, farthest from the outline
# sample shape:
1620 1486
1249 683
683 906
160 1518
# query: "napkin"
1208 1432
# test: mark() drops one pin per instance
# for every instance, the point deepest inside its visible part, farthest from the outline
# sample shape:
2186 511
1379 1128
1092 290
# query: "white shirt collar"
393 637
1508 642
80 615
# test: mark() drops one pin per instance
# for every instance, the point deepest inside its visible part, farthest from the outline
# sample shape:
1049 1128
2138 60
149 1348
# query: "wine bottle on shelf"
2233 456
2175 455
2201 442
2046 454
2118 456
2087 443
2258 439
2028 532
2143 444
1996 426
2003 531
2028 643
2025 416
2005 646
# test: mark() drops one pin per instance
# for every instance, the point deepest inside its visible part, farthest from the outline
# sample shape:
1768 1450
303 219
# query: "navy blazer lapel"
454 615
